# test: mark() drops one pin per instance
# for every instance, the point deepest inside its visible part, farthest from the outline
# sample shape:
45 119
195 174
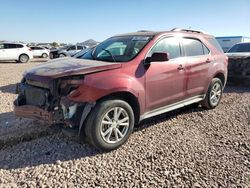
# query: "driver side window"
72 48
167 45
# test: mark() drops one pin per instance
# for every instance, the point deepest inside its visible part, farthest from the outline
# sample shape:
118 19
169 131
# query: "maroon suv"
125 79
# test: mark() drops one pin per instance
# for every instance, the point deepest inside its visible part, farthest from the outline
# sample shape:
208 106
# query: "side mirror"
157 57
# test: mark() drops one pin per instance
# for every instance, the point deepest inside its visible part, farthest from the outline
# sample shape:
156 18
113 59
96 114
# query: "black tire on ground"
213 95
23 58
44 55
51 56
97 125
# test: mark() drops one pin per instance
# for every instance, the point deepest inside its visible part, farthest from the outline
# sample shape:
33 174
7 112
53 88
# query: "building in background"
227 42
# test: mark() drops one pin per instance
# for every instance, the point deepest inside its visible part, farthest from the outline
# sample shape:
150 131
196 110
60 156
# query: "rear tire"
213 95
23 58
109 124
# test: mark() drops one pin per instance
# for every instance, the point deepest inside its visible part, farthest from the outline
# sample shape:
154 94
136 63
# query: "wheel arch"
23 54
221 76
128 97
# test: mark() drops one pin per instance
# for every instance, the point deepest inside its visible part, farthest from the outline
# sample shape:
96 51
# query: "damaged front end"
51 102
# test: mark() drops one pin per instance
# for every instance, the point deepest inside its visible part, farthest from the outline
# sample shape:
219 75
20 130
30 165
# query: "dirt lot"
190 147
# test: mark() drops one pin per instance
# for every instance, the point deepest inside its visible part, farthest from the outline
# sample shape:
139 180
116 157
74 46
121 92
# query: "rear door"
38 51
199 60
165 81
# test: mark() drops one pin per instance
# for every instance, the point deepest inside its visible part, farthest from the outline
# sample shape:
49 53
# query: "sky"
74 21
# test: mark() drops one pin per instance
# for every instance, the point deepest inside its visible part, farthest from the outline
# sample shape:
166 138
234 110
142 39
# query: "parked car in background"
239 62
14 51
82 52
124 80
40 51
66 51
229 41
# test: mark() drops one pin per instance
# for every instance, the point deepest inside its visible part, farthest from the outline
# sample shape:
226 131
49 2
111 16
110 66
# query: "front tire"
62 55
44 55
213 95
23 58
110 124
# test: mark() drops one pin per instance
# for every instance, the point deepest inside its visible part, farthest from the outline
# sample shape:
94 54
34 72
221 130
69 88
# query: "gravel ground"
12 129
190 147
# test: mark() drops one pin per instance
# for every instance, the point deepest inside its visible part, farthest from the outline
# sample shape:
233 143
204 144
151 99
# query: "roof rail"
187 30
144 31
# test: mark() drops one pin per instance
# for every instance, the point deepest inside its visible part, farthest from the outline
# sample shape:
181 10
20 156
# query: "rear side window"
192 47
214 42
80 47
19 46
72 48
1 46
168 45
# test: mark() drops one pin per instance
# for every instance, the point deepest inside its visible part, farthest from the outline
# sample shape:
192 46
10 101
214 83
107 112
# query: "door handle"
208 60
180 67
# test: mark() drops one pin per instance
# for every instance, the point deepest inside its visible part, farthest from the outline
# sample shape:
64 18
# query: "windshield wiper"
109 54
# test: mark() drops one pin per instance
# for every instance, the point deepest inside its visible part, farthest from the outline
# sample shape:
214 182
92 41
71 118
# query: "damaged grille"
36 96
31 95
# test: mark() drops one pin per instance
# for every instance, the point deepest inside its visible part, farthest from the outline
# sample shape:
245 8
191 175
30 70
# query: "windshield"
243 47
118 49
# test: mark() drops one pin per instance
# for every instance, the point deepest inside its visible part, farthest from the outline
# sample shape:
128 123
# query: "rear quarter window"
215 44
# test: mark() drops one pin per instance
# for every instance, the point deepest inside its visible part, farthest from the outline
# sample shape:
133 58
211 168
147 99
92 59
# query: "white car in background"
13 51
39 51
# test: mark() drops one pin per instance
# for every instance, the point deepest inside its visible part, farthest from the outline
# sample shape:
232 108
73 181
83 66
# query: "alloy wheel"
114 125
215 94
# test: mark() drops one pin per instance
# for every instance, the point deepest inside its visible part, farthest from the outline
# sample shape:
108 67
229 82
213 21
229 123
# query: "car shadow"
11 88
57 148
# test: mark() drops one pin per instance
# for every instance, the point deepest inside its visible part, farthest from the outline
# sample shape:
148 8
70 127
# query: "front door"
165 81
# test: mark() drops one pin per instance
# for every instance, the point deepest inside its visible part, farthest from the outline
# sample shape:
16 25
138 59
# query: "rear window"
244 47
215 43
192 47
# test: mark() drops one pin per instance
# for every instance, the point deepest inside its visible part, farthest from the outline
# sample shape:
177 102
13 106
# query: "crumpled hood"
66 67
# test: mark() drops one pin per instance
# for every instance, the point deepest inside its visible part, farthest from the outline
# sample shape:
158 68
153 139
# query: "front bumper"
33 112
38 103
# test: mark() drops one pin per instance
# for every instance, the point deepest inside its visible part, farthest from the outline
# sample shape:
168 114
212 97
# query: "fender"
99 85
